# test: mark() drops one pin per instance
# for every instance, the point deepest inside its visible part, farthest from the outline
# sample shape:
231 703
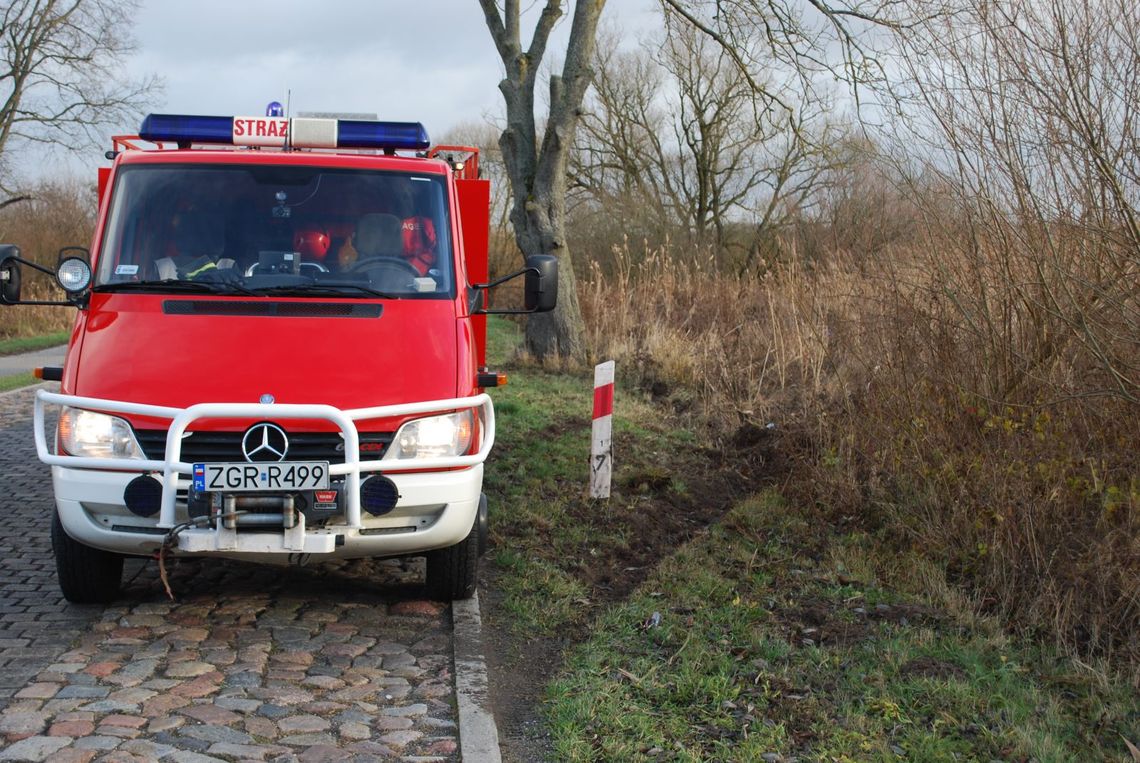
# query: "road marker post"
602 445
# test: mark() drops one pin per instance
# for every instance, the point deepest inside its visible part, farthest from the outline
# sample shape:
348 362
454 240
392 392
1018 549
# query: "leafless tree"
484 135
61 78
675 137
720 144
808 38
616 170
1032 111
537 170
823 39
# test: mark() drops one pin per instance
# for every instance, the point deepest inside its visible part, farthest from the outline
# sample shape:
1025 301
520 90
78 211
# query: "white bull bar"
181 418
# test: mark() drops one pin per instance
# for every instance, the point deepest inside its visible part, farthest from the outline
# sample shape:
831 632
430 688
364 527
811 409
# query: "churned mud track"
655 524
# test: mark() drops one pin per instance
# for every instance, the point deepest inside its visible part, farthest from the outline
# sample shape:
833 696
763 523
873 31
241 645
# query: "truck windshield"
288 230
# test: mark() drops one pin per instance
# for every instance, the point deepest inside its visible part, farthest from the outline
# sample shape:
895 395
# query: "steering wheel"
384 261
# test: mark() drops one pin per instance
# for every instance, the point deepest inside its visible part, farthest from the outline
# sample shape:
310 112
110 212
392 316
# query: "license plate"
243 478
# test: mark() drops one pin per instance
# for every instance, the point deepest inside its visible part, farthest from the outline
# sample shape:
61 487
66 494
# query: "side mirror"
540 293
541 290
73 274
9 274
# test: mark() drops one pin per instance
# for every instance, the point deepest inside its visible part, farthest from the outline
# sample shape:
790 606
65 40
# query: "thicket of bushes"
960 389
943 318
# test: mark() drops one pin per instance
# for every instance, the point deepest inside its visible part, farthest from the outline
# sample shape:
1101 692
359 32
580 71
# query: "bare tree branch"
724 172
14 200
61 79
807 39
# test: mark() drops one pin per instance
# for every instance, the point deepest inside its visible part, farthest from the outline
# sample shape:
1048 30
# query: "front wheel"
86 575
452 572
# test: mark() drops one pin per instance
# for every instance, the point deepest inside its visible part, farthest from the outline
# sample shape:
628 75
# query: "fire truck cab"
278 353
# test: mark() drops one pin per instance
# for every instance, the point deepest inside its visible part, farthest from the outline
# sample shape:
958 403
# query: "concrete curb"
478 735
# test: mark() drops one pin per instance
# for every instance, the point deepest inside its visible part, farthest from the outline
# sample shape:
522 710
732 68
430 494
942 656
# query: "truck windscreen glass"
293 231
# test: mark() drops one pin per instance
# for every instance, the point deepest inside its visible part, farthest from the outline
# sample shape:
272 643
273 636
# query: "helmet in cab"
311 242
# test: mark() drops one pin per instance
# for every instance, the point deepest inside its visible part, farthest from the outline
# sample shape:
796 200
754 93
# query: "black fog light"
143 496
378 495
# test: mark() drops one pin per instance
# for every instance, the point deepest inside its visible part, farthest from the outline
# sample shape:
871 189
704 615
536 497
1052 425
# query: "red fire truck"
278 353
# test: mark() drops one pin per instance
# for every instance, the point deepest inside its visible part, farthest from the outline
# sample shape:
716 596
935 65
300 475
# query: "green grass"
17 381
31 343
762 643
769 632
551 542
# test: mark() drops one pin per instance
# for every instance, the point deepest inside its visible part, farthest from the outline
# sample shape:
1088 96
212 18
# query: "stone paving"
329 662
35 622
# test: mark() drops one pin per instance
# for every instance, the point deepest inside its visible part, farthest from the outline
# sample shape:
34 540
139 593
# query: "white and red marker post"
602 447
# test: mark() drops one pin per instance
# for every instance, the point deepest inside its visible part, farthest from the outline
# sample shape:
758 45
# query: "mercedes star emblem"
264 442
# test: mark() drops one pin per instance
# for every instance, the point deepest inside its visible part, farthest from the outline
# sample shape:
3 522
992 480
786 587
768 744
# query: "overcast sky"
430 61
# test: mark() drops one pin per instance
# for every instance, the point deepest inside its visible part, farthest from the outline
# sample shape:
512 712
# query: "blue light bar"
182 128
270 131
358 133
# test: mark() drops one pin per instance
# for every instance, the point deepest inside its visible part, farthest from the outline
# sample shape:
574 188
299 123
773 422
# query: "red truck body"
279 351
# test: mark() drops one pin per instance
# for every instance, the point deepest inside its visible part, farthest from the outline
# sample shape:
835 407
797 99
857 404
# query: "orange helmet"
311 242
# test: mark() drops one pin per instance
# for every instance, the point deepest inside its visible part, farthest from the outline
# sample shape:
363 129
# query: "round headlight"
73 274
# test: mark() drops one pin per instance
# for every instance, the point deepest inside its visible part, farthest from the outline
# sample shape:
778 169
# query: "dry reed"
927 394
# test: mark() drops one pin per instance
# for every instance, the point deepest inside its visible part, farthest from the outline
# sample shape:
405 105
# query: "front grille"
215 447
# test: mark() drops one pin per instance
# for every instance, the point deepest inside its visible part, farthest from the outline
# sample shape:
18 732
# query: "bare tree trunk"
538 173
558 333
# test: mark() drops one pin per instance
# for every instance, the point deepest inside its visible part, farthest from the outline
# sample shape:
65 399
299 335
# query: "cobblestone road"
329 662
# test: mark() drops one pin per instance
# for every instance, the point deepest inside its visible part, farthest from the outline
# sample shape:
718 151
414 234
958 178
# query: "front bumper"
435 509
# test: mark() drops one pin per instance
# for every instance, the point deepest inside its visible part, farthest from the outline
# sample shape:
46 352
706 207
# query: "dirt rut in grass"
656 525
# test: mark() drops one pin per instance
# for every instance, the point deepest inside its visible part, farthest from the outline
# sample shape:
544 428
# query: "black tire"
453 572
86 575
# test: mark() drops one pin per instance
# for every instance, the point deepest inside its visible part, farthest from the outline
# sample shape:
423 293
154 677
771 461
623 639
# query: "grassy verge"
17 381
561 552
31 343
683 621
773 636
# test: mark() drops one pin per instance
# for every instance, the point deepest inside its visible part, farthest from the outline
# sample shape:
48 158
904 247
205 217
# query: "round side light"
73 274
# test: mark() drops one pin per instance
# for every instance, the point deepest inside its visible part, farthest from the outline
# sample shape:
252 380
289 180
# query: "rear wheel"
86 575
452 572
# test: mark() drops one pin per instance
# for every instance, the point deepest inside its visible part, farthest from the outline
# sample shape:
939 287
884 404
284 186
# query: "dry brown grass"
962 395
59 215
739 350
